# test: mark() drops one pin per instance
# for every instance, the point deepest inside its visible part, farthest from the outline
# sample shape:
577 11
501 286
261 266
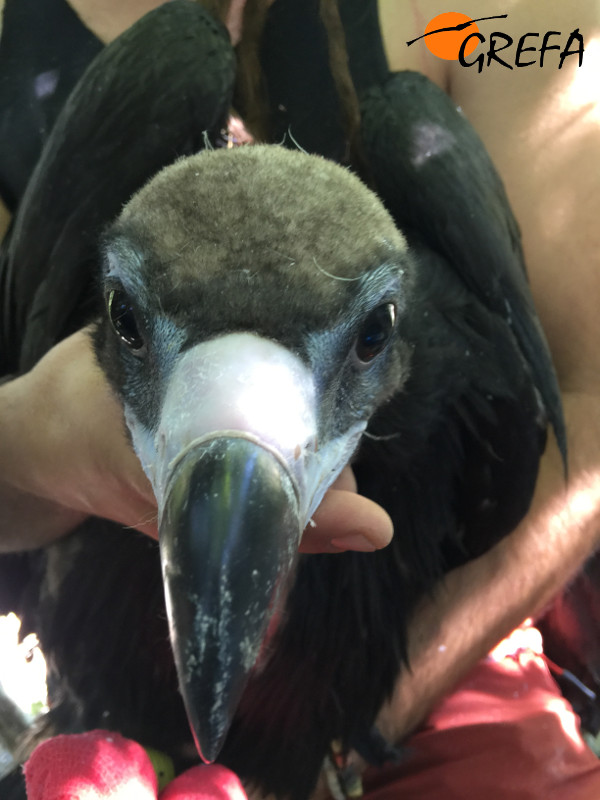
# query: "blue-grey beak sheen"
229 537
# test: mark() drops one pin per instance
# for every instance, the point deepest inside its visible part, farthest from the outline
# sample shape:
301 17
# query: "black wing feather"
146 100
433 172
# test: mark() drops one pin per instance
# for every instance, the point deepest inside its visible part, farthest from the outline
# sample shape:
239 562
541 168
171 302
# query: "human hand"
66 443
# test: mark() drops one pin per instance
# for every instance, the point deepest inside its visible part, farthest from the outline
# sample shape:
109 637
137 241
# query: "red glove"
101 765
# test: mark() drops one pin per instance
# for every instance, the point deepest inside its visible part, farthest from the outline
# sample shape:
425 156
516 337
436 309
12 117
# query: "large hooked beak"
237 474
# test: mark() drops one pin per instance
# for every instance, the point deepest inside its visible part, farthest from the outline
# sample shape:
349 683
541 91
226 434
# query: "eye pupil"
122 317
375 332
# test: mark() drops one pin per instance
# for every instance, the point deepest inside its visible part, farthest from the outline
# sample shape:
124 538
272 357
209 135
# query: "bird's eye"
375 332
122 317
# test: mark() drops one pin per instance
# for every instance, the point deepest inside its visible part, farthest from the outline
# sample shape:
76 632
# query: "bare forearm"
483 601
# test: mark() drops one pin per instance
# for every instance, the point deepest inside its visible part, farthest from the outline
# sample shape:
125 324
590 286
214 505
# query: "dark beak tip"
209 740
207 752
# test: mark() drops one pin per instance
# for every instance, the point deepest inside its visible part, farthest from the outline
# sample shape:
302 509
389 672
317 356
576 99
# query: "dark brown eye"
122 317
375 332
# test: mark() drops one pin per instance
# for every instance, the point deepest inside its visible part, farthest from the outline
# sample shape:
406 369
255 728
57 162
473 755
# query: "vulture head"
255 301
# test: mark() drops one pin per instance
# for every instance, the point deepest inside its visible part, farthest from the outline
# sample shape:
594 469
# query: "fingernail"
355 541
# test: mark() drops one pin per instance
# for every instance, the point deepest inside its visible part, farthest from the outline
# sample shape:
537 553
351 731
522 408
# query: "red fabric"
506 732
101 765
205 783
91 766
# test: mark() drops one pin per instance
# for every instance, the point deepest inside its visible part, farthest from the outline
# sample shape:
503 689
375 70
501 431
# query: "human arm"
542 128
481 602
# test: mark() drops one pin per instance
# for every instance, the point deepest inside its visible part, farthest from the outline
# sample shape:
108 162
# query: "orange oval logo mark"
445 33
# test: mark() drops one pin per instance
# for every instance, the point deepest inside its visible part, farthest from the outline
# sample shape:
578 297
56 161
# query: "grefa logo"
454 37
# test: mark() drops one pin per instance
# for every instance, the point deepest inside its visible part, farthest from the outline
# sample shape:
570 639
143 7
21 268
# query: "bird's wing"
158 92
434 174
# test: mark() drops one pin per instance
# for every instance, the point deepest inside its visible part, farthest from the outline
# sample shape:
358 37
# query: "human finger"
346 520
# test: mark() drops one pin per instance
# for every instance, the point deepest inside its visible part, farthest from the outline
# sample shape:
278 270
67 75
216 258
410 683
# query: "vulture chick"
264 315
266 322
255 304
